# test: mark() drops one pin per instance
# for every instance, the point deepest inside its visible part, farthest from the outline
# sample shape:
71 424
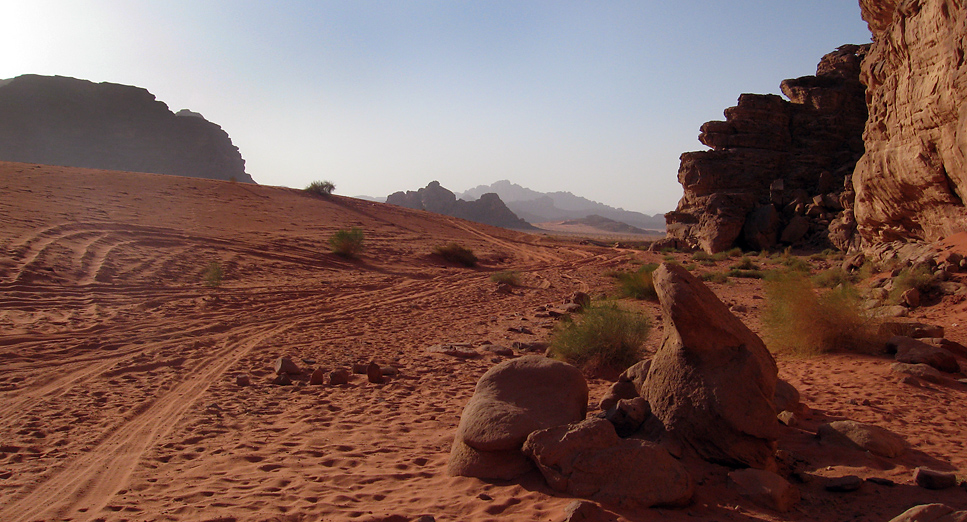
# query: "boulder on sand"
589 460
511 401
712 381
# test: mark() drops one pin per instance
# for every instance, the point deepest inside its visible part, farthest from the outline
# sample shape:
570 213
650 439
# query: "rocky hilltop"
542 207
56 120
911 183
778 167
488 209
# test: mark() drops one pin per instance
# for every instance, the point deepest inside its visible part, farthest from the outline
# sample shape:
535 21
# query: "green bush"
347 243
715 277
321 188
213 274
745 264
455 253
800 321
637 284
918 277
832 278
747 274
603 341
509 277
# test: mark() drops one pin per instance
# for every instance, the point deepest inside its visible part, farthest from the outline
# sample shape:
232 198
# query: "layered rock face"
489 209
77 123
777 168
911 182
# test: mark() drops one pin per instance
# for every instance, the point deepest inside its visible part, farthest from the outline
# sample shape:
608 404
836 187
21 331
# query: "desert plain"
118 364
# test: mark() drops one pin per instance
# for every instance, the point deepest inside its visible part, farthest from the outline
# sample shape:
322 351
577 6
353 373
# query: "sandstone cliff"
777 168
911 183
489 209
64 121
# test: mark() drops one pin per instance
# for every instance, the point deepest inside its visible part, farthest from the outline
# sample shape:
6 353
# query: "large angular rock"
712 381
912 351
512 400
589 460
931 513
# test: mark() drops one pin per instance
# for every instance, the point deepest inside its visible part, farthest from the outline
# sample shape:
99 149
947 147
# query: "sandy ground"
118 395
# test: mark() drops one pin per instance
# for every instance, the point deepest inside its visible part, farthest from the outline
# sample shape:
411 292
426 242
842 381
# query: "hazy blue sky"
597 98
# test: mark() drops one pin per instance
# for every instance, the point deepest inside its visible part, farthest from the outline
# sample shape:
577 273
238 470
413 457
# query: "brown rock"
512 400
921 371
933 479
282 379
589 460
285 365
618 391
912 351
712 380
931 513
844 484
910 298
874 439
339 377
243 380
318 377
637 374
374 373
765 488
584 511
628 415
786 397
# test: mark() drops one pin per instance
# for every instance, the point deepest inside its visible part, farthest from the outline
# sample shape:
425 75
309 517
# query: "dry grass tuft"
603 341
455 253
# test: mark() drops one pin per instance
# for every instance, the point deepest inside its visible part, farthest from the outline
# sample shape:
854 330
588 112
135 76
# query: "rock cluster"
56 120
777 169
489 209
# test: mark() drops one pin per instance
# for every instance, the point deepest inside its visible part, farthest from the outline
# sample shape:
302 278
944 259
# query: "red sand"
118 399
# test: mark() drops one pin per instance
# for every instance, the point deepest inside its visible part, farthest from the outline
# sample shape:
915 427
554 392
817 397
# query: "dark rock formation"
911 182
489 209
55 120
774 160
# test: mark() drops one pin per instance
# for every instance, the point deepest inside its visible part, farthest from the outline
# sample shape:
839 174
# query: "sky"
598 98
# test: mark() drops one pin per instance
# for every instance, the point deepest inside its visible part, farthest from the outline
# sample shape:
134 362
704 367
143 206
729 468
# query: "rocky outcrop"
911 182
55 120
777 168
712 380
488 209
511 401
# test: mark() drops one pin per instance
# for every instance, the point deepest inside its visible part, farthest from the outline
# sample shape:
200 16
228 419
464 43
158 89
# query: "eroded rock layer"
777 167
911 181
56 120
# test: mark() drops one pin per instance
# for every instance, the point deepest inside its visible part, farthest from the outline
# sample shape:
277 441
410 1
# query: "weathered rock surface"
512 400
931 513
589 460
56 120
777 169
911 181
874 439
765 488
912 351
712 380
489 209
933 479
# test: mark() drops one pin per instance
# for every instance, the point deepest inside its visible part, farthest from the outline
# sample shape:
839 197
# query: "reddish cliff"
911 182
777 168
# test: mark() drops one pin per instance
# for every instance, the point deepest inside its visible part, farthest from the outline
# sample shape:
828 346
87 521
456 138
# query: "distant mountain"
605 224
542 207
55 120
488 209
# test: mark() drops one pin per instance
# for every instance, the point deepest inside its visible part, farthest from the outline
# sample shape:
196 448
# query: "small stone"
285 365
374 373
911 298
243 380
484 496
881 481
788 418
389 371
933 479
585 511
318 377
360 368
844 484
339 377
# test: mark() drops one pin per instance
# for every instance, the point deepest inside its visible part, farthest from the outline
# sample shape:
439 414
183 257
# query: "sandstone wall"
55 120
777 168
911 182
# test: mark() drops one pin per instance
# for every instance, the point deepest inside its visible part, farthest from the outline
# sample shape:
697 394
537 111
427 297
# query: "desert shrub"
832 278
347 243
745 264
918 277
735 252
701 255
800 321
670 259
604 340
455 253
795 263
715 277
637 284
321 188
747 274
509 277
213 274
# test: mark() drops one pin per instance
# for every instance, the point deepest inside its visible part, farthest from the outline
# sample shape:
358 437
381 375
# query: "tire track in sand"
85 486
